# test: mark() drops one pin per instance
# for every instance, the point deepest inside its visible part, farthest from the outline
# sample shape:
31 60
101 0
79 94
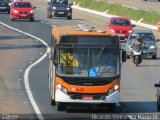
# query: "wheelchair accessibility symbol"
92 73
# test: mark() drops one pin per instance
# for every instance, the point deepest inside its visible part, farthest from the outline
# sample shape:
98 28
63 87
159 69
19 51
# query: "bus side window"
55 55
52 46
53 40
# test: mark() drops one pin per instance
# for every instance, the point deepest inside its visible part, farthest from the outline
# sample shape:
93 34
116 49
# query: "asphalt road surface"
137 85
17 51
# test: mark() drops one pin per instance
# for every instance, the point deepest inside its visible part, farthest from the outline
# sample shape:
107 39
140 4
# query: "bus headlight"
61 88
64 90
112 90
116 87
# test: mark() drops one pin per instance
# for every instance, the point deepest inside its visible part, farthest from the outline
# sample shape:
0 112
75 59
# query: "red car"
21 9
121 26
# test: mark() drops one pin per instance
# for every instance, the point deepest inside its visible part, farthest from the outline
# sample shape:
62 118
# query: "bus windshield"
88 62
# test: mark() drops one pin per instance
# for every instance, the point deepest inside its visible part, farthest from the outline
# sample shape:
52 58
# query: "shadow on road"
149 58
26 20
22 37
64 18
17 46
141 107
4 13
93 108
142 65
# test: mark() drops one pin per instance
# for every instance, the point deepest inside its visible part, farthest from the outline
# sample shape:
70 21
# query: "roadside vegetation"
103 5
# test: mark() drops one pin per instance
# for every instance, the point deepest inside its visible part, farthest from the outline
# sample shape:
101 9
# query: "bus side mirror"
124 56
55 62
156 85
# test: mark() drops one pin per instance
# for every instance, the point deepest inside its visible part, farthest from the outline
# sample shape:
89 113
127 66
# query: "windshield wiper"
99 55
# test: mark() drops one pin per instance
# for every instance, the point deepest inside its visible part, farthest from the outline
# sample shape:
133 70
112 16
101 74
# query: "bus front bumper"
78 98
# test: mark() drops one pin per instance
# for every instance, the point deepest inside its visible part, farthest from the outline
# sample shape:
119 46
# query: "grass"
103 5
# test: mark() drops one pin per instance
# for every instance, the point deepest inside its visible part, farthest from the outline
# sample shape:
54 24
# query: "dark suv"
59 8
5 6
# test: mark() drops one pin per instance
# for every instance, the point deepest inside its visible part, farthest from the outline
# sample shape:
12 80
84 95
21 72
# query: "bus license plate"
87 97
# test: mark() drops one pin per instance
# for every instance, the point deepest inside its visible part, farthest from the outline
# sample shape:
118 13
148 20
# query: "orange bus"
85 66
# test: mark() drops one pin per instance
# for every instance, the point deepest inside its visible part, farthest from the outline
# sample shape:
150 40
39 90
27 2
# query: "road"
17 51
137 91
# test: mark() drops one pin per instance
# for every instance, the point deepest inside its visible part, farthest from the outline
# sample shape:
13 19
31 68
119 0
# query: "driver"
67 59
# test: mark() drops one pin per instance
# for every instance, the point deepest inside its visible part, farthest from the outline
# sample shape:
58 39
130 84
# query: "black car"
59 8
5 6
158 95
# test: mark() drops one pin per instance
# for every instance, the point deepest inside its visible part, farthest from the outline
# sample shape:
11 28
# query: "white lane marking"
130 7
140 20
79 4
106 11
26 80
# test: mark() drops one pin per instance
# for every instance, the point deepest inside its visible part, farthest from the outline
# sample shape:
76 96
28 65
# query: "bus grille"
80 96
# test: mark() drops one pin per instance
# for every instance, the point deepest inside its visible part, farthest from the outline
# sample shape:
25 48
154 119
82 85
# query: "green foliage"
103 5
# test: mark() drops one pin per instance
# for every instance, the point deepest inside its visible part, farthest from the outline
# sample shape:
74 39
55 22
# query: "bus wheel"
158 105
53 103
60 106
128 56
112 107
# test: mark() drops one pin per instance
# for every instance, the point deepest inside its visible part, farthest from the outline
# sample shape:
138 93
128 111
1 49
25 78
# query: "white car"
150 48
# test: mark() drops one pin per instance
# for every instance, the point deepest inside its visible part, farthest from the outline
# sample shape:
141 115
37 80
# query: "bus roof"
80 30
